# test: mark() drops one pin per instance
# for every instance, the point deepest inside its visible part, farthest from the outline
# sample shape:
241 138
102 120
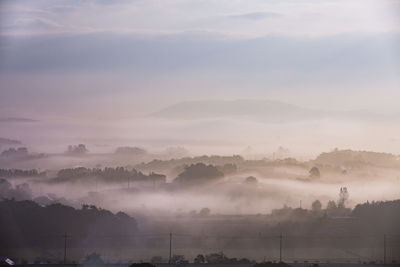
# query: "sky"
104 61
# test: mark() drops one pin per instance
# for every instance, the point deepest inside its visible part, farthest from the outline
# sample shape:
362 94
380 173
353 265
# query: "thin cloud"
16 119
33 24
256 15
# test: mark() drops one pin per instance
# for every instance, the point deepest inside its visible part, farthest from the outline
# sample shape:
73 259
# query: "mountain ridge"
269 111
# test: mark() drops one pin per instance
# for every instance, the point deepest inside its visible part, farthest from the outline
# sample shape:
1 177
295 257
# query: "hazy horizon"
93 71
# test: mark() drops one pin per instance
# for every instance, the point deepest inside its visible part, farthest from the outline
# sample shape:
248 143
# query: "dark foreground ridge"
27 224
61 234
218 265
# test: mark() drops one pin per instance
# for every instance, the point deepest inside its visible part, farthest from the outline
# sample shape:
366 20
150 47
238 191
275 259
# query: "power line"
184 237
244 236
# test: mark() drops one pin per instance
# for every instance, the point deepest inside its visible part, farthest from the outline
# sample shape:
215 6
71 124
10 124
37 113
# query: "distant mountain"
264 110
16 119
260 110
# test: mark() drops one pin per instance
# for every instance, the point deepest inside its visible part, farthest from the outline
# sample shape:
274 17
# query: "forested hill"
351 158
380 216
25 223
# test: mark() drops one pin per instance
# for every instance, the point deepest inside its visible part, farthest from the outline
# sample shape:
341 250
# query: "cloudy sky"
110 60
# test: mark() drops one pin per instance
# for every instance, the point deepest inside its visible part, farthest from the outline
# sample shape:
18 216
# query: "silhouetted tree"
314 172
20 192
205 212
316 206
200 259
251 180
216 258
331 205
77 150
176 258
228 168
343 196
198 173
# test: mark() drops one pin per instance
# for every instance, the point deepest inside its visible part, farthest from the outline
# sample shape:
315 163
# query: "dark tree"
251 180
205 212
316 206
198 174
343 196
331 205
314 172
12 152
77 150
200 259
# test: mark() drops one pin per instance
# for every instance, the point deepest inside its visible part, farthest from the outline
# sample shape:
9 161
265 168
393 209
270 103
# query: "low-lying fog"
226 130
275 186
210 203
249 128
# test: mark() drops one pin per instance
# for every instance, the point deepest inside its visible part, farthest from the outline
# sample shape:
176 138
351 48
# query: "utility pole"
65 248
170 247
280 247
384 249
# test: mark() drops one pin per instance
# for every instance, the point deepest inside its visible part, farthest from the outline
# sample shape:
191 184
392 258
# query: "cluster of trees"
381 215
251 180
220 258
19 153
212 258
76 150
24 192
118 174
228 168
19 173
20 192
356 159
226 164
314 172
332 209
161 165
198 173
12 152
27 224
376 217
6 141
